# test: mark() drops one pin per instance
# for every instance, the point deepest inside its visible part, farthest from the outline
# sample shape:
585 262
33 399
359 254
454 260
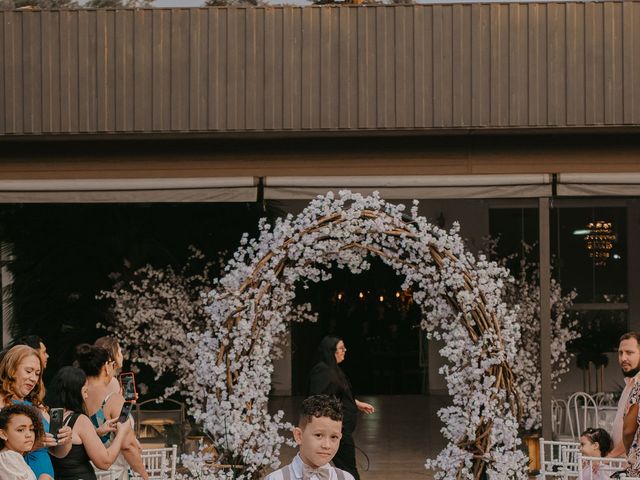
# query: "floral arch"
459 297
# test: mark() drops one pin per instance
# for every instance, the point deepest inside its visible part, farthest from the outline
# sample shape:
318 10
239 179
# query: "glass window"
511 227
576 269
600 306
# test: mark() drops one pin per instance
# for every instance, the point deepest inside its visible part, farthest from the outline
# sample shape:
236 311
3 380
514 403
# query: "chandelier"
599 241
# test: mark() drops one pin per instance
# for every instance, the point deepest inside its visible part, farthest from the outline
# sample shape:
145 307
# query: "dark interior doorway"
379 323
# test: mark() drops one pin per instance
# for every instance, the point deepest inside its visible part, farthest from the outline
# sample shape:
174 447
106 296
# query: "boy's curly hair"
12 410
320 406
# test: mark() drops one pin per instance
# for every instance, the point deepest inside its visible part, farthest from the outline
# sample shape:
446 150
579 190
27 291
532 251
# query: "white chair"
601 467
559 422
160 463
559 460
582 413
604 399
105 475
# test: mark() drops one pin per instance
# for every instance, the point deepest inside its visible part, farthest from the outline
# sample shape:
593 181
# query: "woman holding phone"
111 345
104 406
21 384
68 389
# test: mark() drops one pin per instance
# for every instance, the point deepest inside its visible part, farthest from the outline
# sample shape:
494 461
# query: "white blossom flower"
220 343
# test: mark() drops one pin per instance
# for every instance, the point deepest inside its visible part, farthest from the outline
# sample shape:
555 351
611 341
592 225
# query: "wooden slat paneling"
518 65
217 71
461 65
480 66
499 76
631 63
105 61
537 87
50 27
69 83
367 68
32 101
310 69
143 71
180 60
13 63
274 51
442 66
556 64
3 110
254 70
613 86
87 94
402 67
594 63
291 69
575 64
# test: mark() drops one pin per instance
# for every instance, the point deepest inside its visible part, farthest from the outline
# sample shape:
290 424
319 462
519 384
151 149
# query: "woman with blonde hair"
21 384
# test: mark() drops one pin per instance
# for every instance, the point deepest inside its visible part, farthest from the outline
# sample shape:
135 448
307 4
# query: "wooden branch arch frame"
376 228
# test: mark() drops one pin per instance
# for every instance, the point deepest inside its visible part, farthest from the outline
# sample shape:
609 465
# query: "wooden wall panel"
32 91
480 66
330 68
537 44
13 64
594 64
291 69
499 76
556 64
87 99
367 68
518 65
575 64
613 86
180 60
143 71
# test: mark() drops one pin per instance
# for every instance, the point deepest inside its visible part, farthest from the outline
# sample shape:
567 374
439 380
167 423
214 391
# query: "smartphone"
55 420
128 384
124 413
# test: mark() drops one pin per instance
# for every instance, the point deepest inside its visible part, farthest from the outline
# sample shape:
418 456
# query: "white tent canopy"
599 184
245 188
412 186
129 190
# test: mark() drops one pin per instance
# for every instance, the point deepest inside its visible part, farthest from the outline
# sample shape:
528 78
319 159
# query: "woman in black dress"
327 378
68 390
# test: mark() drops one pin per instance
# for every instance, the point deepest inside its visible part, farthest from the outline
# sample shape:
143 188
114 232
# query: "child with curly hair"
20 427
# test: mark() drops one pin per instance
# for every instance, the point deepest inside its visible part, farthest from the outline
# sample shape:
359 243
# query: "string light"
361 295
381 298
340 296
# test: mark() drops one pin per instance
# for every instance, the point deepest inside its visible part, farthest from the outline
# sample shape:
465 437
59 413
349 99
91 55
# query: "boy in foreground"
318 437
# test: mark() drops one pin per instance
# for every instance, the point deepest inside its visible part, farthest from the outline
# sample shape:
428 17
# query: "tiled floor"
397 439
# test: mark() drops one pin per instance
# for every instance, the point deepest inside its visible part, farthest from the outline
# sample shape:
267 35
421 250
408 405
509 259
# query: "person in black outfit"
68 390
327 378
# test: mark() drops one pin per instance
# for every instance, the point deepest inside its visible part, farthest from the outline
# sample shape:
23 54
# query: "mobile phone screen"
124 413
127 380
55 423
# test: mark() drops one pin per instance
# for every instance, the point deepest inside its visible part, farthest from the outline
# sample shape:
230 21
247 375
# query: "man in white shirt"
629 360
